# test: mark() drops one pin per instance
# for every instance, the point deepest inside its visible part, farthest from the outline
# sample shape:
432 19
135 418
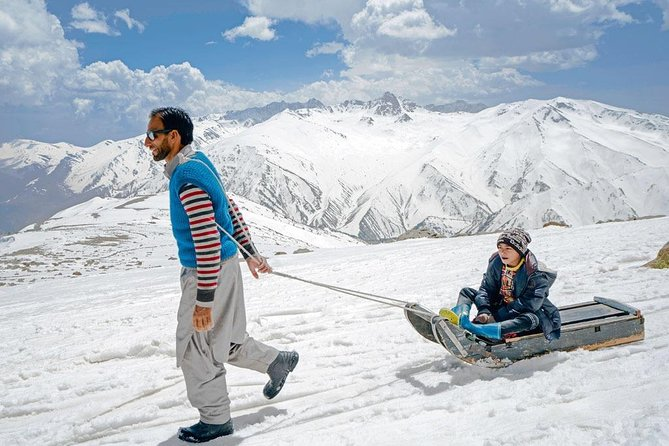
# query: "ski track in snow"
91 359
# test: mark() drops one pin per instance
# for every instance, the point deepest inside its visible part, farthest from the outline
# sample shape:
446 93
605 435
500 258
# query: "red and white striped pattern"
240 229
206 238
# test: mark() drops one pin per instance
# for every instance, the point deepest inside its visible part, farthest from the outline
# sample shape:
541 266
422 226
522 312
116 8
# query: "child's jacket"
530 289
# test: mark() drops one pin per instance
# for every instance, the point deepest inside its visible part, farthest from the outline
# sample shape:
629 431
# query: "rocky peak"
261 114
457 106
387 105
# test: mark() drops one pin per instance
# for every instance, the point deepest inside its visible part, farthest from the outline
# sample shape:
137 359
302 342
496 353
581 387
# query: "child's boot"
490 331
454 314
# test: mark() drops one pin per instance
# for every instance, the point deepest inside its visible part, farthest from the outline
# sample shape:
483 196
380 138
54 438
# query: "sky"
82 72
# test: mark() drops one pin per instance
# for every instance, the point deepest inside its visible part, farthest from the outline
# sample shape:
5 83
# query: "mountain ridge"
363 169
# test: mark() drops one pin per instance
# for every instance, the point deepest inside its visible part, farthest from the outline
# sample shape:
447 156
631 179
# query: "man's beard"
163 151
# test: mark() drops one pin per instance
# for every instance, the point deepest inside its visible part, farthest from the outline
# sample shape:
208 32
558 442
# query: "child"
513 296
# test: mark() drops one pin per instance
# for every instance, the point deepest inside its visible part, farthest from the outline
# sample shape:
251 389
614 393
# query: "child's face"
509 256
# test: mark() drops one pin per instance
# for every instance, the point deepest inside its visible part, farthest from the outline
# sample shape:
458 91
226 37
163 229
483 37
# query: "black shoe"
278 372
201 432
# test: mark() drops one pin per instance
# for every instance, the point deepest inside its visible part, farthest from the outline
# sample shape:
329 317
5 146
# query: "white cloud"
40 72
529 34
416 24
124 15
409 47
254 27
89 20
123 95
34 54
84 11
593 10
664 6
339 11
325 48
8 25
568 6
400 19
543 60
82 106
419 78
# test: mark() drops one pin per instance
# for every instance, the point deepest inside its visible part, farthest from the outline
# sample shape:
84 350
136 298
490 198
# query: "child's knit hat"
515 238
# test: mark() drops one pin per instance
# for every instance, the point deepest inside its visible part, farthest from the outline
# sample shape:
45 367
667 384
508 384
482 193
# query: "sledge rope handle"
362 295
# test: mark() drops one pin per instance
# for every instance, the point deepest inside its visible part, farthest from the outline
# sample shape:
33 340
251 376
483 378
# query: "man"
211 322
513 296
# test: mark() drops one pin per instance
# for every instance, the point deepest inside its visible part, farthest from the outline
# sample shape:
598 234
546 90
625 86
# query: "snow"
351 170
89 358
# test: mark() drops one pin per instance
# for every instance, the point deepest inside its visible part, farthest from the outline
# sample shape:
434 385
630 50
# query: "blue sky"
82 72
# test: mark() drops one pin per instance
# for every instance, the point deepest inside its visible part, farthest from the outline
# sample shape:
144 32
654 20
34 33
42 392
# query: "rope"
360 294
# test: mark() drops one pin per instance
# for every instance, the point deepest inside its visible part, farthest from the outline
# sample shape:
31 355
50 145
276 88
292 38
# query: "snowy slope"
380 168
88 238
89 358
41 179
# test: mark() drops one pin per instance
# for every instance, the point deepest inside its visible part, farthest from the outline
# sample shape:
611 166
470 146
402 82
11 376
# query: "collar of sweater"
186 153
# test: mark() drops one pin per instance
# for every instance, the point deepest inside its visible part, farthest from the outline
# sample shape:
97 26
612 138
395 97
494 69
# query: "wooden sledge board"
590 325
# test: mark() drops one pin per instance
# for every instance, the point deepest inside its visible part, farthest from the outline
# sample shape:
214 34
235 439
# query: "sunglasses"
151 134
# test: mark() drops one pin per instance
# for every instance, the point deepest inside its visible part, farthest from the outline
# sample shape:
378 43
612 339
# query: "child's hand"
482 318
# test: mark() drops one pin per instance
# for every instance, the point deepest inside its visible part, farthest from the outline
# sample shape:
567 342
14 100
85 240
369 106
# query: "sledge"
588 325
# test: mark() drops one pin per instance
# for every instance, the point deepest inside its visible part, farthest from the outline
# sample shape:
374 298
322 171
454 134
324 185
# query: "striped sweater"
207 238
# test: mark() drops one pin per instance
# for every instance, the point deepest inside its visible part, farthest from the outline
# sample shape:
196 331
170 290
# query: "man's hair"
177 119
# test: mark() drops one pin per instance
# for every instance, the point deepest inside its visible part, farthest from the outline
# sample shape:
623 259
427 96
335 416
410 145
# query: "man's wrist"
205 298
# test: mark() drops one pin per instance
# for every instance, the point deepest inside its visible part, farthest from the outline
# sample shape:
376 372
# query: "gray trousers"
202 356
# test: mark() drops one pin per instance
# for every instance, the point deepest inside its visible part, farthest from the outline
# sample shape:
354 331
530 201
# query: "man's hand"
202 318
258 264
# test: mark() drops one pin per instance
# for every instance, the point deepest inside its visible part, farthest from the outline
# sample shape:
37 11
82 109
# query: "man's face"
159 146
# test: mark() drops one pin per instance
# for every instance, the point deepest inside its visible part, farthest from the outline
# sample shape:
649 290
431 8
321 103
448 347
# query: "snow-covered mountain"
255 115
41 179
379 168
457 106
